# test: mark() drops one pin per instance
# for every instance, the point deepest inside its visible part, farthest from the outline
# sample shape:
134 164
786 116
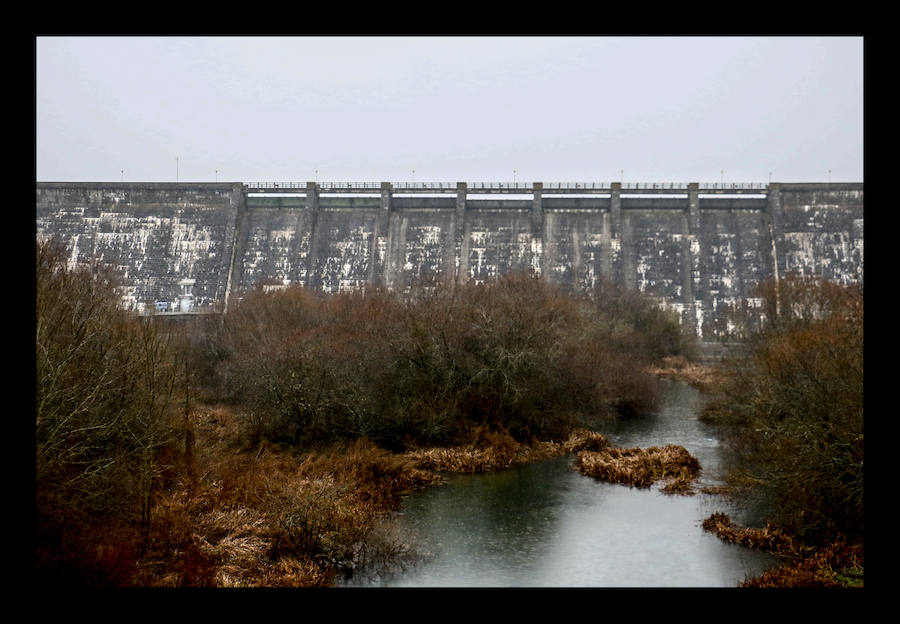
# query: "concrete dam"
697 248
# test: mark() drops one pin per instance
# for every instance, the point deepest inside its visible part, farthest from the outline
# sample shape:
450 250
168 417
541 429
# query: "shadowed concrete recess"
197 247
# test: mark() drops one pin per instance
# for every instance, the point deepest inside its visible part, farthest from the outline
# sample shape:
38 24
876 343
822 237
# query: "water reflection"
545 525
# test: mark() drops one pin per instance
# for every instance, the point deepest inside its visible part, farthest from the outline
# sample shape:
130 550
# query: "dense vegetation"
793 410
516 354
255 449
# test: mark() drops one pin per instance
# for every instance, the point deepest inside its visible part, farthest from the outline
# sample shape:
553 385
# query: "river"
545 525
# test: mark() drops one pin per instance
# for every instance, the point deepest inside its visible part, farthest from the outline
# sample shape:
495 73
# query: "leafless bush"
794 409
517 354
105 388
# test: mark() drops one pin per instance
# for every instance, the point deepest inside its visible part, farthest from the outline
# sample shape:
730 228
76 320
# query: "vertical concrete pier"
615 209
537 209
693 207
461 233
775 214
386 195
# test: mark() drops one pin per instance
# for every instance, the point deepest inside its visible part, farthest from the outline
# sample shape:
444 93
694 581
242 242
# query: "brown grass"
677 367
835 565
493 450
642 468
769 538
266 517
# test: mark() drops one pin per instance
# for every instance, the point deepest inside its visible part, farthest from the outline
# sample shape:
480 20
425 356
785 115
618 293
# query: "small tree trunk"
188 431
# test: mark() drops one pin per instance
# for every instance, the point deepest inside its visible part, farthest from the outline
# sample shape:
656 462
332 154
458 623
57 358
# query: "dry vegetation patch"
642 468
498 450
269 517
769 538
679 368
835 565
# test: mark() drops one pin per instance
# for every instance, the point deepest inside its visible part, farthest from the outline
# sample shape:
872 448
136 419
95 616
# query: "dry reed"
680 369
769 538
267 517
497 451
835 565
642 468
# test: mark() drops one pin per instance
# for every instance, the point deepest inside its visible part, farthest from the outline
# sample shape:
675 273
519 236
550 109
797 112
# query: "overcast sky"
371 109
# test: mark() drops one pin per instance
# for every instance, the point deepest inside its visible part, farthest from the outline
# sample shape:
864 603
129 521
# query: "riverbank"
837 565
266 516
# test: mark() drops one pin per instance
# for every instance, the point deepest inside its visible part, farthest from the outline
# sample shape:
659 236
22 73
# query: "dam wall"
697 248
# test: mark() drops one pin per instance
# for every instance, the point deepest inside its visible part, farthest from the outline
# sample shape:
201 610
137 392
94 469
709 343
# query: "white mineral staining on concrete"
73 258
698 318
695 245
642 268
479 259
353 257
537 251
431 235
828 255
381 249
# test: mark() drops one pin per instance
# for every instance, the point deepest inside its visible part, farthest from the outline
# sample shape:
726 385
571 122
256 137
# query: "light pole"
123 175
217 176
176 169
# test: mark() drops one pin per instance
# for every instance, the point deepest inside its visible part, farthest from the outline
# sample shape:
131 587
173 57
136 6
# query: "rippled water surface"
545 525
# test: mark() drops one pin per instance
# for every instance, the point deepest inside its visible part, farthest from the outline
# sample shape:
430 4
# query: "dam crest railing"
524 187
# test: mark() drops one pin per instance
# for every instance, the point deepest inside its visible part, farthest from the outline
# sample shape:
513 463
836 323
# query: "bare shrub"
106 383
793 410
517 354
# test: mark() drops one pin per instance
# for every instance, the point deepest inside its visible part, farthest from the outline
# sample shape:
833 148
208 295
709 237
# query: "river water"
545 525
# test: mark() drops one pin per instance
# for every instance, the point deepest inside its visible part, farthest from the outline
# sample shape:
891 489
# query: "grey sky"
373 109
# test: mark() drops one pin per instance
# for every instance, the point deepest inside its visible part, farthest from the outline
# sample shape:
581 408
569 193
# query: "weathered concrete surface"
697 253
823 231
155 234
